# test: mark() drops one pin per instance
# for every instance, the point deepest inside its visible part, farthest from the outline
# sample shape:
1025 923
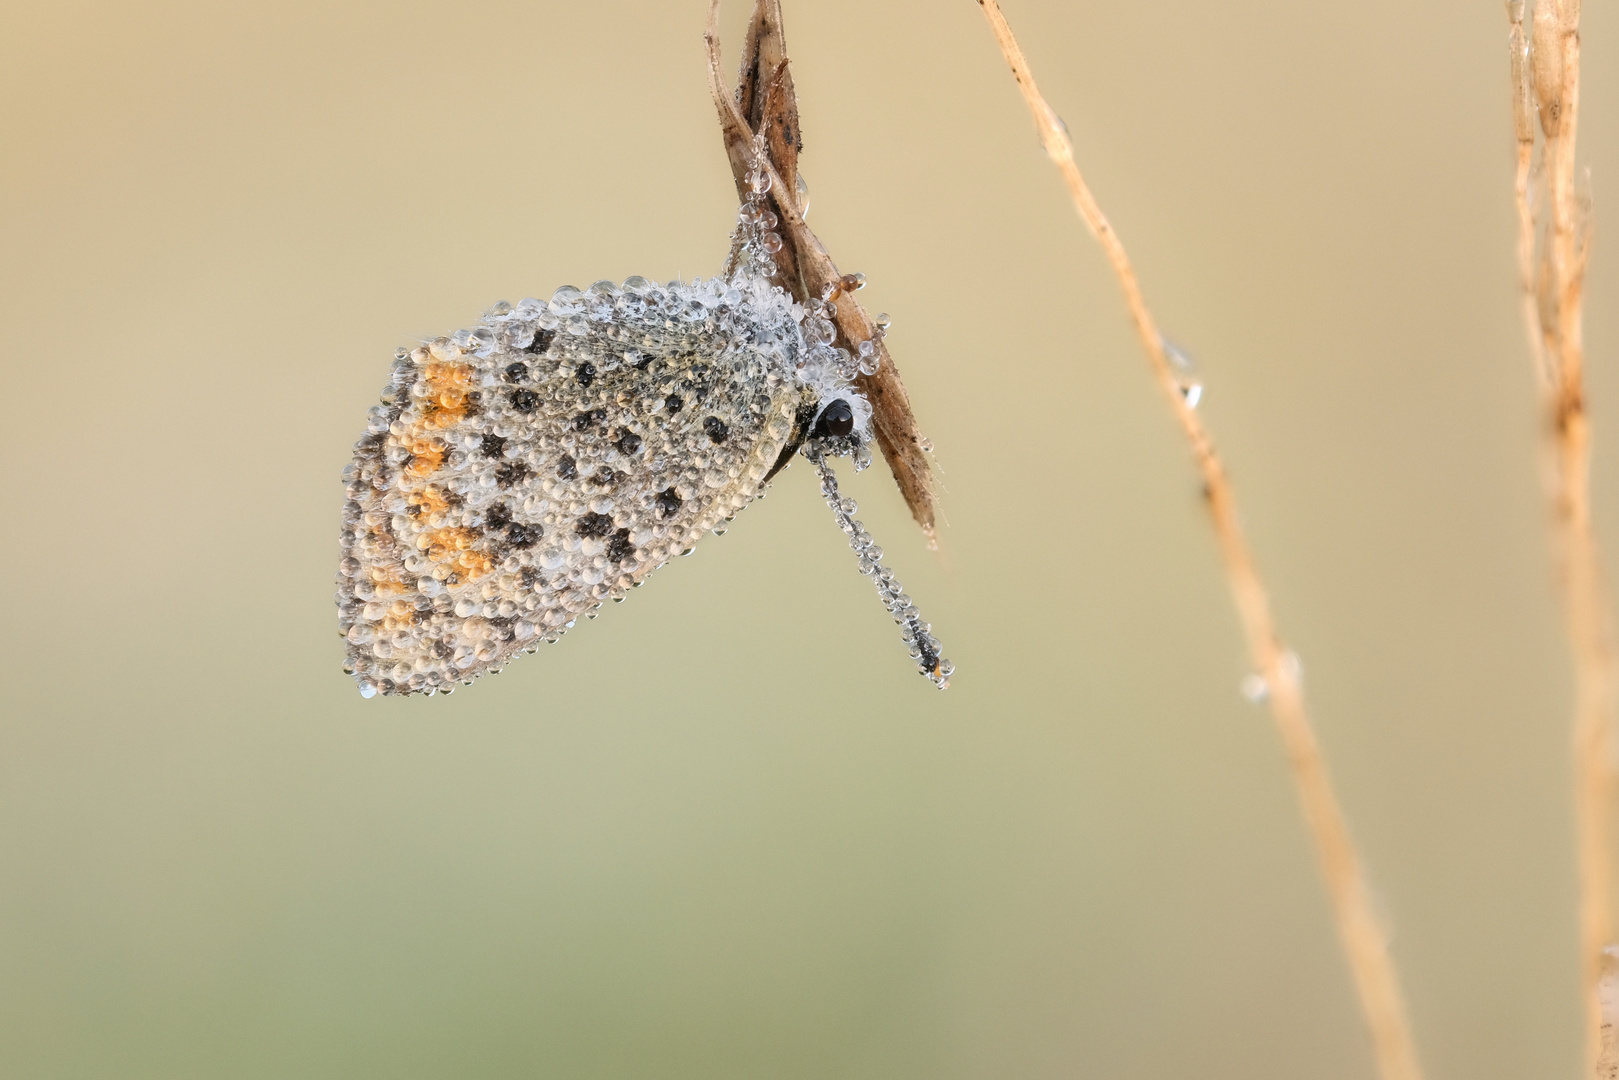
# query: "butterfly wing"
521 473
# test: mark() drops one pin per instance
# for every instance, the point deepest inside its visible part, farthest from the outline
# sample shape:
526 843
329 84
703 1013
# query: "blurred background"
683 843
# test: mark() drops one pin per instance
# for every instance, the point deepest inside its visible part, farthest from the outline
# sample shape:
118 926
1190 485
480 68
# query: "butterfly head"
842 425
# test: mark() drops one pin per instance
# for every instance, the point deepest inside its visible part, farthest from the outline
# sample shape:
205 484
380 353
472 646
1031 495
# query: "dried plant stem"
766 104
1363 939
1545 72
1607 1061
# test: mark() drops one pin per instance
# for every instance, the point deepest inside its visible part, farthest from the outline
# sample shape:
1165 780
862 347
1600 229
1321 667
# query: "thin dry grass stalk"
1545 73
765 103
1364 942
1607 1061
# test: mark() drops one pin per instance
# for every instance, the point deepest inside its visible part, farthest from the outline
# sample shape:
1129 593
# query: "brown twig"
765 102
1545 72
1363 939
1523 108
1607 1061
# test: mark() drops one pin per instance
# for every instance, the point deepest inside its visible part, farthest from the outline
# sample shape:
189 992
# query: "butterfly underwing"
518 474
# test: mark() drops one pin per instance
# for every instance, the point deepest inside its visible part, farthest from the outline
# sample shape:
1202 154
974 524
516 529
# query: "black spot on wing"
513 472
594 525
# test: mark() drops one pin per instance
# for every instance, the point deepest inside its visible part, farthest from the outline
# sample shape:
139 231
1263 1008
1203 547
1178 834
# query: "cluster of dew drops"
757 245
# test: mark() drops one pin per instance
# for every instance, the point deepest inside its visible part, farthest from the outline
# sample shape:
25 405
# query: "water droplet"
1192 392
1055 120
1254 688
803 197
1178 357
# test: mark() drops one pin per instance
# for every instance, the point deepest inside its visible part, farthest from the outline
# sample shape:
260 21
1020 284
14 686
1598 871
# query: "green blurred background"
726 831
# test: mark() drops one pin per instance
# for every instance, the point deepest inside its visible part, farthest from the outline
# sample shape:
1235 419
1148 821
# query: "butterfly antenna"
916 634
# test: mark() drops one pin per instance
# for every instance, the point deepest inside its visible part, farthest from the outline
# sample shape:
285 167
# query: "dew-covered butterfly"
519 474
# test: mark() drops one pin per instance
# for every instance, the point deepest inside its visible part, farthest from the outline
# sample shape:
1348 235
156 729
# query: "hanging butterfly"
519 474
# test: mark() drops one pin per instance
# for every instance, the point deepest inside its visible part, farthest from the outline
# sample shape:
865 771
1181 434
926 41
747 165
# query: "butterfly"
519 474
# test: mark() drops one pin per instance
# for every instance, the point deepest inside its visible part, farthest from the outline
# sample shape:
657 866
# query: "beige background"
725 831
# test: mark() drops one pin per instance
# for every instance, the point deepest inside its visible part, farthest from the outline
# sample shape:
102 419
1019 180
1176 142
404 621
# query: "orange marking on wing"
426 456
446 410
430 499
448 541
453 547
446 403
474 565
447 376
389 581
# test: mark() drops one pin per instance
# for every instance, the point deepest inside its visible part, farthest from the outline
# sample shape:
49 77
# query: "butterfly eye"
837 420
